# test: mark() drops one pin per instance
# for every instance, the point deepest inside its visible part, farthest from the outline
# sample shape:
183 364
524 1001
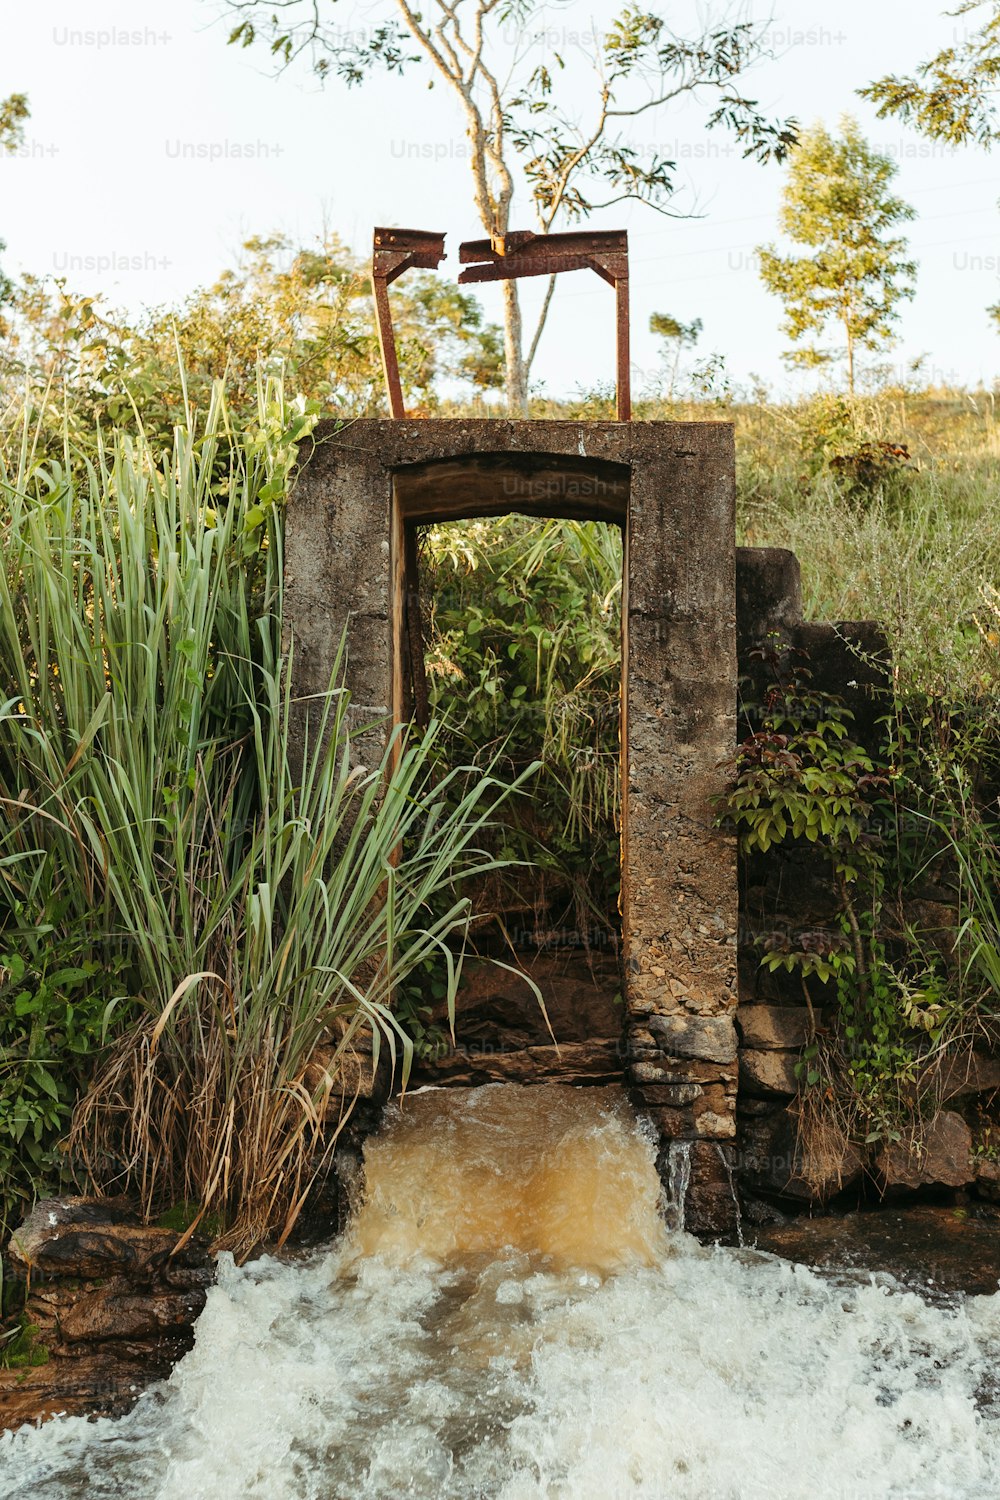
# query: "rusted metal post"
393 252
624 378
415 631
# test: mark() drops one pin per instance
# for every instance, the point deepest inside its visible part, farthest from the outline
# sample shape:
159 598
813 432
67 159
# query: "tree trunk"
513 343
850 363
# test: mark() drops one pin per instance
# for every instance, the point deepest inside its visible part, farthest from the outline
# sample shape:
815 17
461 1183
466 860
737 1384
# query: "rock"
711 1207
104 1382
667 1093
774 1027
934 1250
942 1159
347 1079
937 921
116 1311
112 1304
750 1107
592 1062
710 1114
971 1072
988 1179
89 1238
709 1038
768 1073
501 1035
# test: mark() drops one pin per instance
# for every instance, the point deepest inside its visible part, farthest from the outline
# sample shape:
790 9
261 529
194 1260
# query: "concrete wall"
671 485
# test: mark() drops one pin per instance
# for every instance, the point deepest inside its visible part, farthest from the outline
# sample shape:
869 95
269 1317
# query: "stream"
509 1318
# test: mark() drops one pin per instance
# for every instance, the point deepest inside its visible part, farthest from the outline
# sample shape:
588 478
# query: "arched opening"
462 652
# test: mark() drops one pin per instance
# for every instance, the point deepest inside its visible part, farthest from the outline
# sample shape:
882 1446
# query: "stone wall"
790 891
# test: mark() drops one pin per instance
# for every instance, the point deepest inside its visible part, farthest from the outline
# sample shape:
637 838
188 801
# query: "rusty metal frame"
501 258
524 253
393 252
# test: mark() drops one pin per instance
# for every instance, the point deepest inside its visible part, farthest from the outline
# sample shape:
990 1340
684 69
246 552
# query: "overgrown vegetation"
524 663
182 919
183 909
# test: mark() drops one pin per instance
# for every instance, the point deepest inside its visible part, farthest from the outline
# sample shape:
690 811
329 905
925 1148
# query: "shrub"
245 907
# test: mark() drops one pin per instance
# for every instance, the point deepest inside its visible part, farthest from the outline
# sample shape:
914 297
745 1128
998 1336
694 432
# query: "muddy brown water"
508 1319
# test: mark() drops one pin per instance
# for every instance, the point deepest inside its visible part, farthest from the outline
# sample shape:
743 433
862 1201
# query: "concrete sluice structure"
671 488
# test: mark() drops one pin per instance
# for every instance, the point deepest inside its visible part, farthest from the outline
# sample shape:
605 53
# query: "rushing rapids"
508 1317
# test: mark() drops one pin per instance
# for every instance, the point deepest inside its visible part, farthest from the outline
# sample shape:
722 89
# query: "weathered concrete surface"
671 485
768 594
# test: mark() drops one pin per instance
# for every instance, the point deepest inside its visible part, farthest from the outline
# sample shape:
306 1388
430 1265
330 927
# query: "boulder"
89 1238
943 1158
118 1311
768 1073
777 1162
774 1027
111 1304
710 1038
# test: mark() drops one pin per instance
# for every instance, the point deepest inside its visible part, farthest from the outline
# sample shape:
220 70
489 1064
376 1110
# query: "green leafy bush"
524 662
54 1010
800 777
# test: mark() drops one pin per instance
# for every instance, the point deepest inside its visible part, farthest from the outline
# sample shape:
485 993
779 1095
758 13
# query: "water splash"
738 1211
560 1172
678 1182
426 1356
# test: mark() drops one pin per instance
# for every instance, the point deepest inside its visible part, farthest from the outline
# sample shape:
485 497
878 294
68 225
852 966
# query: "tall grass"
149 805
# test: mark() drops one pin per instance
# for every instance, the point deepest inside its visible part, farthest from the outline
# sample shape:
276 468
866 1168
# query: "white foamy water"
515 1371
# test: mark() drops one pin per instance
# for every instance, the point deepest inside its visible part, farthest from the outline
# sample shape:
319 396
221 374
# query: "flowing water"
509 1317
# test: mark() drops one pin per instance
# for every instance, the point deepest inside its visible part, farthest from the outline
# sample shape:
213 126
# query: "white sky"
107 173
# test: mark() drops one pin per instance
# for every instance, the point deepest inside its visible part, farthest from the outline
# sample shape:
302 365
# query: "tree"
13 113
522 130
953 97
677 336
837 203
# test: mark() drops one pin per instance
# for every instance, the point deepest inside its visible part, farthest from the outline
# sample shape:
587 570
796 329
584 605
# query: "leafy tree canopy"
953 97
838 205
303 312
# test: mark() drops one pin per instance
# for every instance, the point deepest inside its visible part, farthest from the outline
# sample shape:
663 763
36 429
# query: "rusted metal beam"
524 253
420 710
623 383
572 242
393 252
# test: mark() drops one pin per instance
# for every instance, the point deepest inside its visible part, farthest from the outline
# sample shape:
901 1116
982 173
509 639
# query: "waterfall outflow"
560 1173
507 1320
678 1182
